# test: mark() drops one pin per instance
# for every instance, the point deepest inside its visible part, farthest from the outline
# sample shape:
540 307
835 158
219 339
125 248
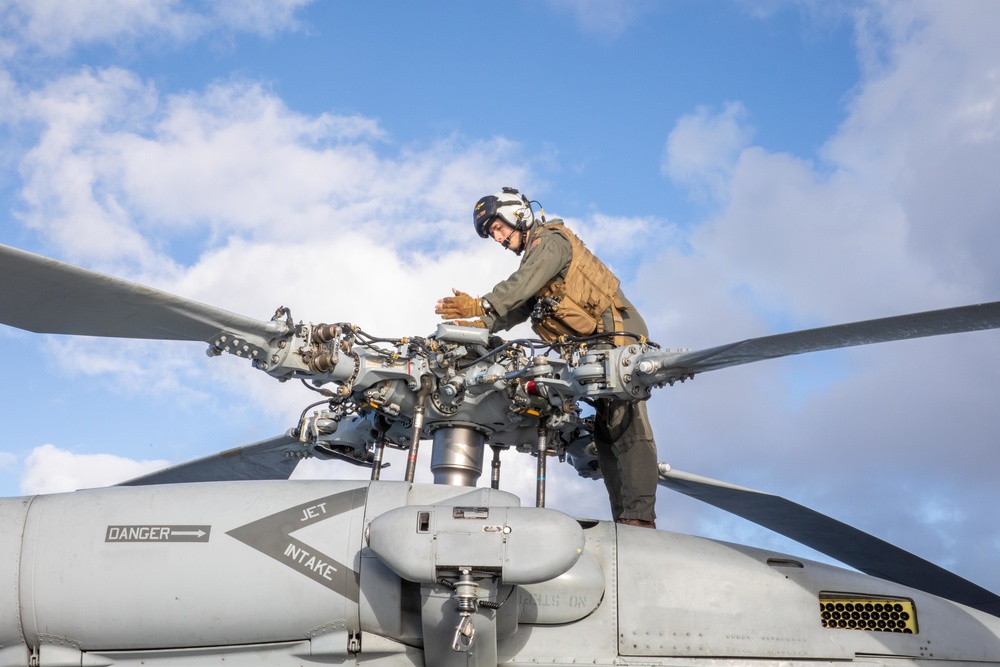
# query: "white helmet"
509 205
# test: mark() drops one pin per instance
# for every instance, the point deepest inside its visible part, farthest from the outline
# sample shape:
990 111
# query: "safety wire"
530 343
366 340
558 345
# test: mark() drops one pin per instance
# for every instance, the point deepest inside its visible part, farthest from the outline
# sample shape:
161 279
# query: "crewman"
564 289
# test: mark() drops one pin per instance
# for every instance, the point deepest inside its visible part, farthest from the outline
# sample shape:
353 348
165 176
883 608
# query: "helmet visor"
484 213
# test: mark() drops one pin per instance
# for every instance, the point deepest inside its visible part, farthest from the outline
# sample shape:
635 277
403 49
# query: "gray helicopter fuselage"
347 572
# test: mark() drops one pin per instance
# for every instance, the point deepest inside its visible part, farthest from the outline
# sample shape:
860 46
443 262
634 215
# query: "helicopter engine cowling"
518 545
183 565
163 570
279 573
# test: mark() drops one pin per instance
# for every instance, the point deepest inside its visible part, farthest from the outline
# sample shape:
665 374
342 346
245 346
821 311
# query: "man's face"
499 231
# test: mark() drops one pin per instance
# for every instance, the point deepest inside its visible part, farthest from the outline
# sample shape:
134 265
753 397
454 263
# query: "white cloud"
263 17
117 164
897 217
114 158
610 18
63 193
703 147
923 125
900 200
613 235
52 27
49 469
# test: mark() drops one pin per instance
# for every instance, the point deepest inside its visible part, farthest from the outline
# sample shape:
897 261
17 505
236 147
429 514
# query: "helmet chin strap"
506 242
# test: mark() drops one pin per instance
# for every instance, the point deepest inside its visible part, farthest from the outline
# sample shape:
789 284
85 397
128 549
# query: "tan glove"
468 323
459 306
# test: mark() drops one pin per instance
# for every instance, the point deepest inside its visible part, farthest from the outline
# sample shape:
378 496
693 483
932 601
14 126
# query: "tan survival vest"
573 307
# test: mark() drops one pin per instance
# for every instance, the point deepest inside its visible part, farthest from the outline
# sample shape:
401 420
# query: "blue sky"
746 167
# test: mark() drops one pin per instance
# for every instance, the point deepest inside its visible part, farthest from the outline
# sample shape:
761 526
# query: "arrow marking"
159 533
271 535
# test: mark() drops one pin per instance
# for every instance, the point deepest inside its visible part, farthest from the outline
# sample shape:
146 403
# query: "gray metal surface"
457 456
847 544
274 458
688 597
424 542
102 569
572 596
962 319
592 639
47 296
13 513
282 576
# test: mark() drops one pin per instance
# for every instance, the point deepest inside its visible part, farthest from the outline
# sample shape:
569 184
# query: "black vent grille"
863 612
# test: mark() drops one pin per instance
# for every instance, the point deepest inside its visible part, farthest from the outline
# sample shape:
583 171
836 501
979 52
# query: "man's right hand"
459 306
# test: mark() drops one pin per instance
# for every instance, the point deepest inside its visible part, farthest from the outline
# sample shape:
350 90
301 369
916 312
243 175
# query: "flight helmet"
509 205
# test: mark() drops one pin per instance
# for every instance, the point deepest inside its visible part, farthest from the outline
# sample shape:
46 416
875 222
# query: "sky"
746 167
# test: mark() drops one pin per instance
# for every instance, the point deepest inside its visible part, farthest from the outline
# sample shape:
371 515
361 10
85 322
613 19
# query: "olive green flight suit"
626 450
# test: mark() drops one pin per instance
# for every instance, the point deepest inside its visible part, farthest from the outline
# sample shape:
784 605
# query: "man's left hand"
460 306
468 323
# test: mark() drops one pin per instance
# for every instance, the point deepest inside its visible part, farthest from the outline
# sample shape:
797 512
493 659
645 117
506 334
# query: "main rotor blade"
847 544
274 458
674 366
47 296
